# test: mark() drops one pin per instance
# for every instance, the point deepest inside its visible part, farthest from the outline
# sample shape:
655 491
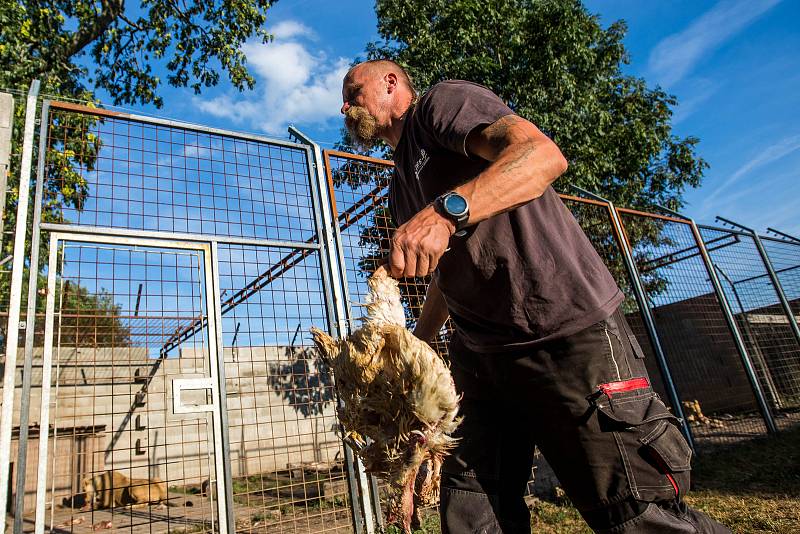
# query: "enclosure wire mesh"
288 474
140 176
122 337
119 458
785 258
762 320
698 344
287 459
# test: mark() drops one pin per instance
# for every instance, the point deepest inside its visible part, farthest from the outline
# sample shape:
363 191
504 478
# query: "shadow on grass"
763 466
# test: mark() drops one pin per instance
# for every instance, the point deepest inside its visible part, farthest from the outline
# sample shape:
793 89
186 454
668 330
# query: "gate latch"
179 385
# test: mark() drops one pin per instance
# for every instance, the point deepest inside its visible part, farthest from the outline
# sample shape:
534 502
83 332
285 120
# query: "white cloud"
288 29
295 84
676 55
771 154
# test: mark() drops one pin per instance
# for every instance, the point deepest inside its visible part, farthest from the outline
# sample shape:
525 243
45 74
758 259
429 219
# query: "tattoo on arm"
519 159
497 134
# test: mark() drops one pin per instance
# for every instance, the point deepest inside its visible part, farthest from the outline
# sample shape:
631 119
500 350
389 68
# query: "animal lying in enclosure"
111 489
398 393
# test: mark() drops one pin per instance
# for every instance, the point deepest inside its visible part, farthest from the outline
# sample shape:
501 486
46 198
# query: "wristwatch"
454 207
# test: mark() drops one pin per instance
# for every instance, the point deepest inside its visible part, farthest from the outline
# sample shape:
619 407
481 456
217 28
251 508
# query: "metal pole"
773 276
222 396
6 131
47 367
222 467
18 266
783 235
737 336
332 274
773 391
647 315
30 321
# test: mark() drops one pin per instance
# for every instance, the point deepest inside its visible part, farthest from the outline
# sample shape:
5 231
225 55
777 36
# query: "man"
541 352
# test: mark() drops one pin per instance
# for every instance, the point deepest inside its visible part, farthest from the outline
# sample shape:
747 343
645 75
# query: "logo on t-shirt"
421 162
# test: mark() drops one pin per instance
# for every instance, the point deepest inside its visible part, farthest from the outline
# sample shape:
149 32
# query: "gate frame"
749 369
15 304
221 469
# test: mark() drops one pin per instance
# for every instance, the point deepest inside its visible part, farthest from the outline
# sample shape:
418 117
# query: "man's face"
363 106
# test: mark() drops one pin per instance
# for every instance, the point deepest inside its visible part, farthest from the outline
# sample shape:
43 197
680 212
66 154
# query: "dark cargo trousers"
586 401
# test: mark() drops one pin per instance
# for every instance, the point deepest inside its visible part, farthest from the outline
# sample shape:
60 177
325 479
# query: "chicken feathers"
399 405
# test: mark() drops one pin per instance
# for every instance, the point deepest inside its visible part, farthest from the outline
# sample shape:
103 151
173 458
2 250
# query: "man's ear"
391 82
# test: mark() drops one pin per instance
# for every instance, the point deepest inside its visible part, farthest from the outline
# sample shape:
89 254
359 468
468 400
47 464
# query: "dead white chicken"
396 391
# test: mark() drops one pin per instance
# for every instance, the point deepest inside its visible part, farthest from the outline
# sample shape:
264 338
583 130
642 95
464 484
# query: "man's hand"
418 244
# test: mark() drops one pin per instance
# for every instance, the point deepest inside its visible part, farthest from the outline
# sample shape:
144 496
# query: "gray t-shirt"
518 278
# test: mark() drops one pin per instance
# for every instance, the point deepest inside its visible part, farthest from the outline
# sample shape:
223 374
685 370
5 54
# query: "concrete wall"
108 415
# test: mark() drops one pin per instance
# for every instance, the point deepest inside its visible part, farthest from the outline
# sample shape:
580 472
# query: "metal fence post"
763 407
6 131
18 267
773 391
647 313
773 276
30 320
335 273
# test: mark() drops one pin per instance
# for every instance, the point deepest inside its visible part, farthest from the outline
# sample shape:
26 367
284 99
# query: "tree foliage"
75 47
554 64
194 40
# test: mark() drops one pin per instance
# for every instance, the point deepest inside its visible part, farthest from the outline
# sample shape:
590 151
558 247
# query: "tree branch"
112 9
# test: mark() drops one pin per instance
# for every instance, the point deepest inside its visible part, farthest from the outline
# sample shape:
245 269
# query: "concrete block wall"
104 421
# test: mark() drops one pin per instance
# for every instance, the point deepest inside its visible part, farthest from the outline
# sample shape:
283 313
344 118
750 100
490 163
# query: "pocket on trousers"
467 511
654 453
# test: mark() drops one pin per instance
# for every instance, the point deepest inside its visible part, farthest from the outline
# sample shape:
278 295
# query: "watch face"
455 204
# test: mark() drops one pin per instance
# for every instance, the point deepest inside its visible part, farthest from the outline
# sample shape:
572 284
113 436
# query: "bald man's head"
380 67
376 95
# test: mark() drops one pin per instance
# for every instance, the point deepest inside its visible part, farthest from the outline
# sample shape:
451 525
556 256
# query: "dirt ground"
188 514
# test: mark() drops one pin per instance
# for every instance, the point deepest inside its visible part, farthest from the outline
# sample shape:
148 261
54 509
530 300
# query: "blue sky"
733 64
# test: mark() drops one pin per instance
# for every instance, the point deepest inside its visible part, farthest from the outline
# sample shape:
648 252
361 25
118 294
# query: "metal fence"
177 269
169 384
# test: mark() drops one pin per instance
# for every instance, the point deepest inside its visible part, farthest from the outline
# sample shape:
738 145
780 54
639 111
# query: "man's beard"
362 125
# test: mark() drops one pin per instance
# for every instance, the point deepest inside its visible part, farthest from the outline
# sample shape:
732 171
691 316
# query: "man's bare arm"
524 163
433 315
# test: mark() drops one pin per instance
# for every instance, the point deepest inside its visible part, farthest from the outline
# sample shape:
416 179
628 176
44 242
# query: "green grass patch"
752 487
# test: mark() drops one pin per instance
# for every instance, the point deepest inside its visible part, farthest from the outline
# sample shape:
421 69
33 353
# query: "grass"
752 487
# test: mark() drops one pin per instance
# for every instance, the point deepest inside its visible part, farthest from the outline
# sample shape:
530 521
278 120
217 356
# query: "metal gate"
175 388
116 377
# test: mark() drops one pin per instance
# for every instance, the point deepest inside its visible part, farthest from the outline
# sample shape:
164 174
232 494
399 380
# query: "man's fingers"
434 262
411 264
423 266
397 261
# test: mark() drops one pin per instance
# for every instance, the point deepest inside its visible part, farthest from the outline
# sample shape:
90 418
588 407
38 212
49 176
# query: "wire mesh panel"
785 258
360 187
133 175
287 461
699 346
595 220
131 444
763 322
113 174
